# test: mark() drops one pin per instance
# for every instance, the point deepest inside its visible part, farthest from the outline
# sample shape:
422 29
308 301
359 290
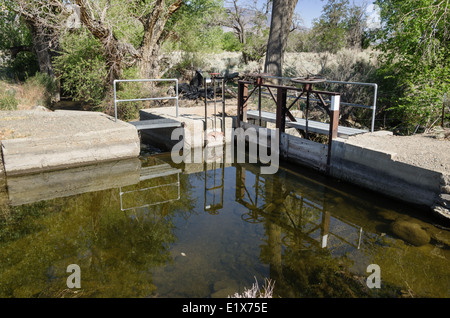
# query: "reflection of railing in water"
157 171
214 207
297 230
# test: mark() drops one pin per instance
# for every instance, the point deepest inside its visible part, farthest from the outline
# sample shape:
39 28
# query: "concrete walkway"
39 140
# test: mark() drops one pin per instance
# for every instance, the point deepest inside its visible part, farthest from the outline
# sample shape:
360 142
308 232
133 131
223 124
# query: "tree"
249 24
280 25
152 16
42 19
415 45
109 21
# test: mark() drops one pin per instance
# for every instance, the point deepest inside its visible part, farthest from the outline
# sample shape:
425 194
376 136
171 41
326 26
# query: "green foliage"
130 90
415 43
330 27
341 25
194 29
14 34
256 45
230 42
81 67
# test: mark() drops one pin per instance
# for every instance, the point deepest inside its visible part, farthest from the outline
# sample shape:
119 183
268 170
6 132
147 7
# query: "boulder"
410 232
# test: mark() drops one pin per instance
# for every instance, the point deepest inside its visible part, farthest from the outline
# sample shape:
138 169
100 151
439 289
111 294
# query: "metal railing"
374 100
145 99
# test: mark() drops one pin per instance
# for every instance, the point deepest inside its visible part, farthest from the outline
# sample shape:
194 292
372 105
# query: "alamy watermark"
74 279
374 279
263 147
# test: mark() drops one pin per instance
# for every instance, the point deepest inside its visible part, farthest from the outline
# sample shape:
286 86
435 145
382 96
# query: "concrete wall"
44 141
377 171
370 169
194 126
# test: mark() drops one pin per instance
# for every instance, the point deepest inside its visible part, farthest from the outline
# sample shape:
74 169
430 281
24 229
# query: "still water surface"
148 228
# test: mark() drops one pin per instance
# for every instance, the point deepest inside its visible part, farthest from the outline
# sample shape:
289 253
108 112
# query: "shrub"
82 67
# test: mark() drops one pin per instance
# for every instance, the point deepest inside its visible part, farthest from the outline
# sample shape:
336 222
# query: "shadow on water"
149 228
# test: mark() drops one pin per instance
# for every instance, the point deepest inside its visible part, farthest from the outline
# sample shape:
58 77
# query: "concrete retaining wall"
194 125
370 169
377 171
44 141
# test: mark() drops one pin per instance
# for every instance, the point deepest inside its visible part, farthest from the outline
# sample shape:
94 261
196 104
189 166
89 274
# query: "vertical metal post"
176 92
374 107
215 111
242 103
115 102
334 124
206 106
259 82
223 106
325 228
281 109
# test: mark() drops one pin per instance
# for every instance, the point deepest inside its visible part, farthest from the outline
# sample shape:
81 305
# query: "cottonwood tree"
280 26
152 17
44 21
109 21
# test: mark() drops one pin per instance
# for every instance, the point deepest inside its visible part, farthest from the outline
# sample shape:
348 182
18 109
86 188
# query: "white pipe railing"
145 99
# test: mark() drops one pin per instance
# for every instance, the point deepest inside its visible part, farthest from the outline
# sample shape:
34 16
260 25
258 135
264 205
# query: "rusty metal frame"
282 110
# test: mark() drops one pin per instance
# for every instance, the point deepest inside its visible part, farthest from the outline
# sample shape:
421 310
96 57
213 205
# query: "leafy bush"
81 67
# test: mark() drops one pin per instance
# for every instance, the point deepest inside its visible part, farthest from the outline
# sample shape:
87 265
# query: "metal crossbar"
145 99
374 100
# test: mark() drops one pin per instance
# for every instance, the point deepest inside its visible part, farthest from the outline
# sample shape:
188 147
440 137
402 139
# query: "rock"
224 293
41 108
388 215
410 232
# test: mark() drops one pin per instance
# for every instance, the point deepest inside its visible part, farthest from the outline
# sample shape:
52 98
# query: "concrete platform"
36 140
193 120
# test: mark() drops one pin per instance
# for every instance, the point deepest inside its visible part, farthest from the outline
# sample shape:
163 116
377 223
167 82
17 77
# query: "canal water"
149 228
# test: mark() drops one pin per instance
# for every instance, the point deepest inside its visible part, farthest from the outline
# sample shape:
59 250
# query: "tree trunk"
42 44
282 14
154 35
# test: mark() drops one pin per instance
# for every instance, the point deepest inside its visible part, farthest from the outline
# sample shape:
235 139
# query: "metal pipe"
374 107
145 99
115 102
176 94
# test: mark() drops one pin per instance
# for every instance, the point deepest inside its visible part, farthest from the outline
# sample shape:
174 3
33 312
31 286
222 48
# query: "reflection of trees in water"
114 249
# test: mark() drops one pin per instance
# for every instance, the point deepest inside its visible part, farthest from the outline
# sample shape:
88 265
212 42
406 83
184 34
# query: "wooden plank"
313 126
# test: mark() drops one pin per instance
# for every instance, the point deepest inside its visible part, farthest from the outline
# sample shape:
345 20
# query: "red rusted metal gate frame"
282 109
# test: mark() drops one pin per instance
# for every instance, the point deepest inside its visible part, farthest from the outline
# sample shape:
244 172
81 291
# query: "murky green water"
147 228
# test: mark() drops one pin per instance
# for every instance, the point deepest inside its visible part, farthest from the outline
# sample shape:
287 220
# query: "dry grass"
26 94
295 64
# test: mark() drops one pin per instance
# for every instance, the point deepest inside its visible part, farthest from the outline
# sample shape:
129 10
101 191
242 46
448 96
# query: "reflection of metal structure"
215 79
252 216
157 171
216 204
306 222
